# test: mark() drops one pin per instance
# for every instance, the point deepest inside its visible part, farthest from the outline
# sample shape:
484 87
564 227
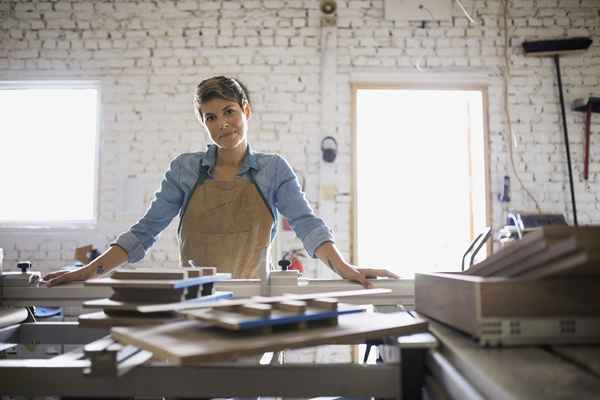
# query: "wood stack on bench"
264 313
237 328
550 251
542 289
134 288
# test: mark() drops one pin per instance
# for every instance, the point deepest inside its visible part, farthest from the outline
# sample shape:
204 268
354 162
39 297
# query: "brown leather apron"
227 225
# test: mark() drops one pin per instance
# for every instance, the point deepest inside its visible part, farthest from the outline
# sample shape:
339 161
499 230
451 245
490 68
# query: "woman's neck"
231 157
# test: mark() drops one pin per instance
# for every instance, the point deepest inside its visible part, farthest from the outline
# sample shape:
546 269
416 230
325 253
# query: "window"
48 153
420 176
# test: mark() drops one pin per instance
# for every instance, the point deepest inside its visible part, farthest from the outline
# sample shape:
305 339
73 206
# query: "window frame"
41 226
433 83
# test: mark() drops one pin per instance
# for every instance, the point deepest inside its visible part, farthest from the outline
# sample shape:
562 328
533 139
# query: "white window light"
49 153
426 149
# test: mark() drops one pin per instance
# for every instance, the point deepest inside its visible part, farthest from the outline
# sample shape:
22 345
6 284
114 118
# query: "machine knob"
284 264
24 266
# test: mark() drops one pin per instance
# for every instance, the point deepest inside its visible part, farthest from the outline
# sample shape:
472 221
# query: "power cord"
464 10
507 75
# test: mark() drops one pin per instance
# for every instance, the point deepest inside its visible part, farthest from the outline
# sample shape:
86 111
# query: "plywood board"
557 250
192 342
533 249
238 321
155 296
149 273
162 273
577 264
533 242
102 320
156 283
109 304
258 299
537 307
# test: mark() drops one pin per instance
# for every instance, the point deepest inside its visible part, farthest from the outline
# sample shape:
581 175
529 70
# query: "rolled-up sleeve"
165 205
292 203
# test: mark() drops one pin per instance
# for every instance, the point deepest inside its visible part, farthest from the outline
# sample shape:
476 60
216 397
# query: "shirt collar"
249 160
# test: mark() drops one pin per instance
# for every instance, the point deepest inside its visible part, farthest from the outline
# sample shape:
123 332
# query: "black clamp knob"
284 264
24 266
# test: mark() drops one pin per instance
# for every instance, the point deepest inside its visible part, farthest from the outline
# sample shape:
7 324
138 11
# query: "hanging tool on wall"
592 106
556 48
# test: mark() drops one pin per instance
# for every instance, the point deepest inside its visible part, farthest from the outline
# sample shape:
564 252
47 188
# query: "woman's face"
226 122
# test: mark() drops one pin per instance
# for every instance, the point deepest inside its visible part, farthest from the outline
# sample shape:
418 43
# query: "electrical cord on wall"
507 75
464 10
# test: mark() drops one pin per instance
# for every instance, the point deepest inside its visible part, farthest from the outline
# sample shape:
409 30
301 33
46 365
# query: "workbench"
71 296
400 377
459 368
63 375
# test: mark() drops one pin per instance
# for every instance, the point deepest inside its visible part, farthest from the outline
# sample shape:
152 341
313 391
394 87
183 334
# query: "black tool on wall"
556 48
329 147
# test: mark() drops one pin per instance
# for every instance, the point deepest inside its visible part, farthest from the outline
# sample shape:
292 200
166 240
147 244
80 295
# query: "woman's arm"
315 235
329 254
111 258
132 245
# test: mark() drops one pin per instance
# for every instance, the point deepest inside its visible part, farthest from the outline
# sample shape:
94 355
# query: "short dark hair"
220 87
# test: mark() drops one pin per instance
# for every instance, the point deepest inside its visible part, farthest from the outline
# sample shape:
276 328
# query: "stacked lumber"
135 288
551 251
263 313
237 328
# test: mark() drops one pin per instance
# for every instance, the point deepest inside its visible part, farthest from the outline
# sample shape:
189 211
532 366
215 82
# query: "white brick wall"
150 55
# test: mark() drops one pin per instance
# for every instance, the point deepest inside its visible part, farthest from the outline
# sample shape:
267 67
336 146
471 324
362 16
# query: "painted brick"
150 56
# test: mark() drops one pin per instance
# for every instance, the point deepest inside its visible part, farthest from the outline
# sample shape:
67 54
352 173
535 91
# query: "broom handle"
564 119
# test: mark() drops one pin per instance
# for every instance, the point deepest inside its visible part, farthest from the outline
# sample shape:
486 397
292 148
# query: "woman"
228 199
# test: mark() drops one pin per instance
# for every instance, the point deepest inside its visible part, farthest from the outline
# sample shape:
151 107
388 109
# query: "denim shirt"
274 178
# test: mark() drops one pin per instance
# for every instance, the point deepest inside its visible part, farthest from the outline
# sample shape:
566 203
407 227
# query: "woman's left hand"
361 275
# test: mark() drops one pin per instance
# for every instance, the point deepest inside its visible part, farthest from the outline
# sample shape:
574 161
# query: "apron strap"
251 174
202 176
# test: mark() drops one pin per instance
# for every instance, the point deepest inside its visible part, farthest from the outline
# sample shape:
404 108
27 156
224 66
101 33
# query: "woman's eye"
210 118
229 111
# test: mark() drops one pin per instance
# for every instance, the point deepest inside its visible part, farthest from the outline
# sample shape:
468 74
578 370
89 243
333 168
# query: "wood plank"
325 303
149 273
454 298
102 320
274 299
558 250
512 249
541 255
291 306
577 264
156 283
515 373
154 296
495 267
191 342
162 273
109 304
536 245
259 309
234 320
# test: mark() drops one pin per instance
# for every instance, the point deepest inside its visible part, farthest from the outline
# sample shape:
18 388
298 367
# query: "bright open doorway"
420 176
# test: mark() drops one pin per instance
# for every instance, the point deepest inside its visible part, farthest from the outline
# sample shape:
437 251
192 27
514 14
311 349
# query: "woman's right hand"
61 277
111 258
